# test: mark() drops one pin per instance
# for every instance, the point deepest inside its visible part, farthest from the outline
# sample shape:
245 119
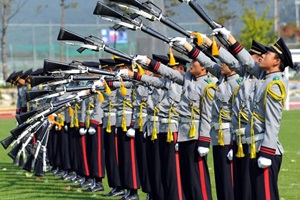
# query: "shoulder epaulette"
239 80
208 80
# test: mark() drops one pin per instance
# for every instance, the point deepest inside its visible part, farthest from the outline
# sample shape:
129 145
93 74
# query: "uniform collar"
234 76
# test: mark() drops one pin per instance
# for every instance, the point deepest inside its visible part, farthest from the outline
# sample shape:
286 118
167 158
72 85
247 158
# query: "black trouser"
264 181
241 174
73 148
223 172
127 161
95 153
83 168
154 167
194 172
64 149
170 168
140 149
111 158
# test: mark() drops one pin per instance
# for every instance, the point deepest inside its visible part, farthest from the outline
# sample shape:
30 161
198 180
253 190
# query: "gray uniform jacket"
171 97
194 102
266 104
222 103
123 103
140 105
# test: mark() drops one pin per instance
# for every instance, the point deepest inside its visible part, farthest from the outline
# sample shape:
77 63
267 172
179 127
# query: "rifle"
74 67
28 165
151 12
200 11
90 42
40 156
46 94
7 141
39 116
132 23
20 147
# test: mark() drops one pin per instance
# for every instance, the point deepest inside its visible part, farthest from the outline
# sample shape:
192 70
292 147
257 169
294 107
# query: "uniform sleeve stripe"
94 122
110 84
156 67
267 150
237 49
205 139
137 76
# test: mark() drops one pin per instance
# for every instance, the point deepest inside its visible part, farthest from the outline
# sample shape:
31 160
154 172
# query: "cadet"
168 118
267 102
126 149
193 131
110 137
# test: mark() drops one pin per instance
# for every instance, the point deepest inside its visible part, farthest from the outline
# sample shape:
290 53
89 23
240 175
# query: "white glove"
263 162
66 128
176 147
98 83
123 72
81 93
142 59
230 155
145 135
203 151
178 40
223 31
130 132
92 130
82 131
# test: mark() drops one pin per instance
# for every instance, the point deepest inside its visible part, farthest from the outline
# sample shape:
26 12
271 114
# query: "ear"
276 62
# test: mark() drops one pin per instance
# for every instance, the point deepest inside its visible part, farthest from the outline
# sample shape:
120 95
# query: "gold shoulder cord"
123 123
76 121
140 122
170 133
193 126
261 118
71 114
154 131
28 103
88 115
225 114
108 127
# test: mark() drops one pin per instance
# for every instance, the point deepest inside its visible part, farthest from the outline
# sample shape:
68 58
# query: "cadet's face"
256 57
123 67
109 69
21 81
225 69
268 60
196 69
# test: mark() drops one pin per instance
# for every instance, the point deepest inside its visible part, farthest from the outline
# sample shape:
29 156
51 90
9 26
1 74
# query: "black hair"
281 66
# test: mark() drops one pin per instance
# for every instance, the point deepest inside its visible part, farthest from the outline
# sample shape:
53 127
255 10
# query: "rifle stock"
50 65
6 142
35 94
13 153
28 164
102 9
203 15
18 130
36 80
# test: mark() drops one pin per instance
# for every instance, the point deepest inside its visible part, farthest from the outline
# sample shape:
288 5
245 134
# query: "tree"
256 27
64 6
8 9
220 12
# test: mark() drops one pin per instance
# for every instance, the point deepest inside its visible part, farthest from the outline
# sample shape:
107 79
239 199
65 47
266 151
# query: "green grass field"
16 183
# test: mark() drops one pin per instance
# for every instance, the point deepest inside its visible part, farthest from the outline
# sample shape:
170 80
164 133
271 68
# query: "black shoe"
79 179
67 176
115 192
86 183
131 197
73 178
56 171
96 188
